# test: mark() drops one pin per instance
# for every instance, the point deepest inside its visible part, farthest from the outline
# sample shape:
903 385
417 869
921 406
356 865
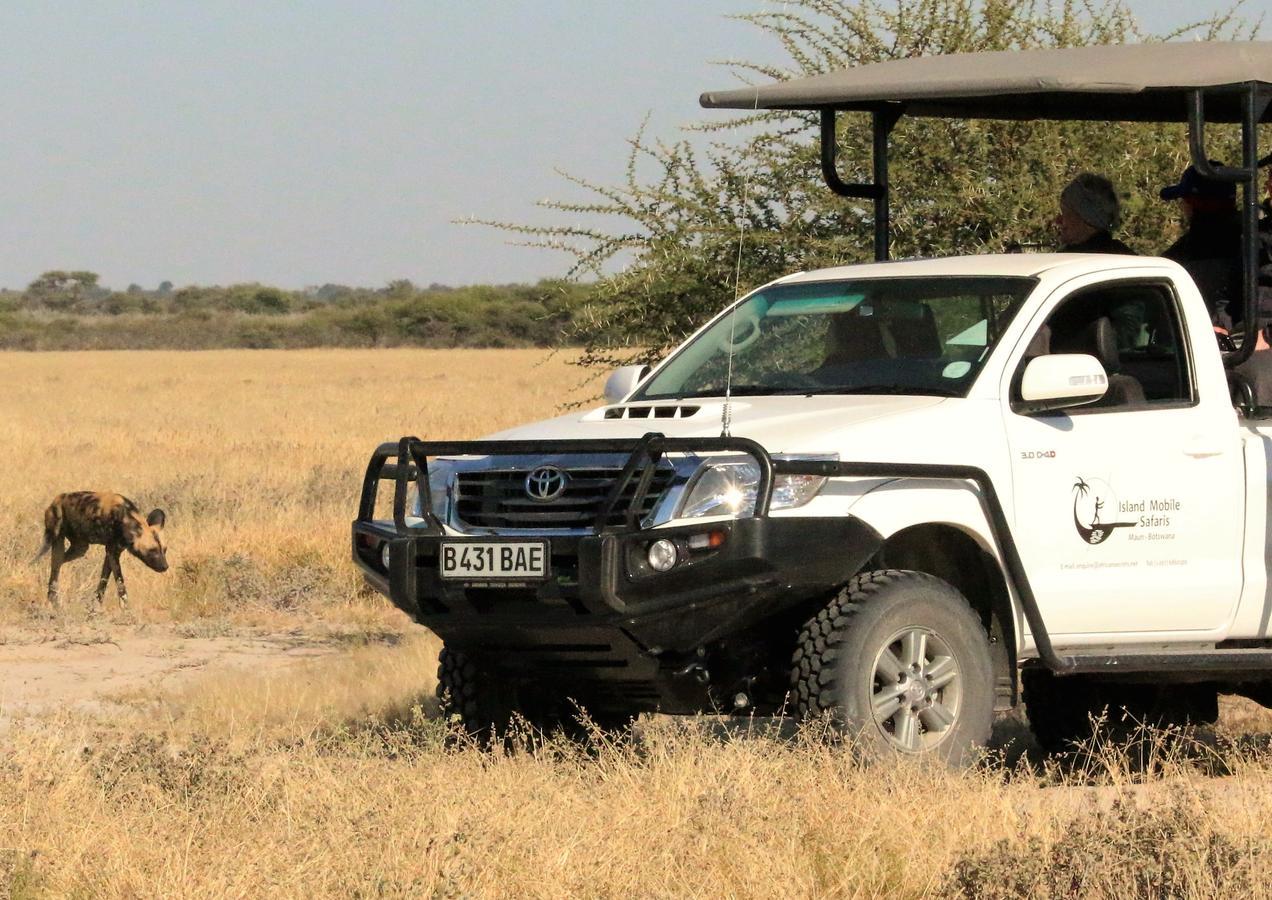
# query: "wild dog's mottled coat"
74 521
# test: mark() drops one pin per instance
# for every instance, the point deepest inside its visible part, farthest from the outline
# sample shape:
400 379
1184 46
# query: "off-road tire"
840 652
483 705
487 705
1069 711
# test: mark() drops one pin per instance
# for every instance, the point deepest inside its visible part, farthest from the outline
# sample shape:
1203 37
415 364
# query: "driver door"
1128 512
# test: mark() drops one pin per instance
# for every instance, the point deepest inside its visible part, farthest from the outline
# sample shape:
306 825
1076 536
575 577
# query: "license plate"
494 559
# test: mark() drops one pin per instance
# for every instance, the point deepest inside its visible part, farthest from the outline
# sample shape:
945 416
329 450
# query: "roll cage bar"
1105 83
1254 99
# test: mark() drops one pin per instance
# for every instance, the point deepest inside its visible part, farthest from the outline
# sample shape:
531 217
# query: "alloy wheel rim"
916 691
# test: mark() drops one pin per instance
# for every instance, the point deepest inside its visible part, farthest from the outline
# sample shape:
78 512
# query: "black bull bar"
644 453
643 456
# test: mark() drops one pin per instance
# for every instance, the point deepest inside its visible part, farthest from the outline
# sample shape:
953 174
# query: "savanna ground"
258 724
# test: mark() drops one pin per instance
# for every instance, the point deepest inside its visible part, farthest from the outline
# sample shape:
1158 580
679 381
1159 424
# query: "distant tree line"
69 310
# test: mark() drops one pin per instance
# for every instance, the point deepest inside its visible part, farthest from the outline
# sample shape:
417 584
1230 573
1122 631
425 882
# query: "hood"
783 424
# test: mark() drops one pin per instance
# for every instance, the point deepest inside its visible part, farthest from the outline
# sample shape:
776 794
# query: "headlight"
728 488
440 474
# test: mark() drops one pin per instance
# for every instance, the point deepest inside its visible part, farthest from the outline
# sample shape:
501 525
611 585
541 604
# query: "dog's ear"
156 519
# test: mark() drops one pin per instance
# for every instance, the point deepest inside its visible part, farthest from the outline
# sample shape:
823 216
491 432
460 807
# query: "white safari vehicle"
894 494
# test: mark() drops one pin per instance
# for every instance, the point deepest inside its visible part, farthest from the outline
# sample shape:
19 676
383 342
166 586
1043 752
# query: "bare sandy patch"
113 670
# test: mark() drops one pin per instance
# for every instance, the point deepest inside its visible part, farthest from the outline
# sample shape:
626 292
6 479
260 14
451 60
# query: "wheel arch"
960 558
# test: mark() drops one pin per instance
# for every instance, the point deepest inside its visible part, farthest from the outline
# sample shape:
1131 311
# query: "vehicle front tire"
483 706
900 663
486 705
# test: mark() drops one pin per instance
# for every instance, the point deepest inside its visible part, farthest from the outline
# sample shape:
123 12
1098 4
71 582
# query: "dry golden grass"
377 807
333 778
257 457
384 681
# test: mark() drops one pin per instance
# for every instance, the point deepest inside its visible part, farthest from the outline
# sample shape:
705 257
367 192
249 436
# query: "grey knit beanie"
1092 199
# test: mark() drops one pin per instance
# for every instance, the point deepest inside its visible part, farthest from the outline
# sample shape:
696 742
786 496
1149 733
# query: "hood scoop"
656 411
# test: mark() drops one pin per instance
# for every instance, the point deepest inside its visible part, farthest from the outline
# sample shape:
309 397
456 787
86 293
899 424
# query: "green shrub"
258 316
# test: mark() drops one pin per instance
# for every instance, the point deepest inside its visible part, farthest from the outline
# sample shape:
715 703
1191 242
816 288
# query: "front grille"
498 499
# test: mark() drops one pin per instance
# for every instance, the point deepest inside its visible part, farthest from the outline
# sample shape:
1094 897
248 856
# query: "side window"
1134 330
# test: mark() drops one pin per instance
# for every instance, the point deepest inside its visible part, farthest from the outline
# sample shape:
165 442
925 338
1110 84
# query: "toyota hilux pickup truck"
897 495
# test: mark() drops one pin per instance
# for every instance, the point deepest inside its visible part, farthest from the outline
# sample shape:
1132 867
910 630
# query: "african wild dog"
88 517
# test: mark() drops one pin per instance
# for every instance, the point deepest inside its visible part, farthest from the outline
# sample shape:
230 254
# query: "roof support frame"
883 120
1255 100
1254 104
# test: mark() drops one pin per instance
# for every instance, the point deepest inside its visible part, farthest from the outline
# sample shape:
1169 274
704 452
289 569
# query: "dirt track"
91 671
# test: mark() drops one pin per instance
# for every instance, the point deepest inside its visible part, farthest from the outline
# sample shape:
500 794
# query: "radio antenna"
726 412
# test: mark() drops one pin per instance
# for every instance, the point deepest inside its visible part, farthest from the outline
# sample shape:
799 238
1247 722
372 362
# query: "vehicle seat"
910 331
1099 339
917 338
852 338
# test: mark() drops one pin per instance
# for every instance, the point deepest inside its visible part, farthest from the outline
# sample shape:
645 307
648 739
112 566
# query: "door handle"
1200 448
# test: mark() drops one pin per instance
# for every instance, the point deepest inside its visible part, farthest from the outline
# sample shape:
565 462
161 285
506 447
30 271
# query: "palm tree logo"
1094 532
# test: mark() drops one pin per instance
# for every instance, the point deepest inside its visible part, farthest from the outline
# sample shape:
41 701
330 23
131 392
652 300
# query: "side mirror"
1061 380
623 381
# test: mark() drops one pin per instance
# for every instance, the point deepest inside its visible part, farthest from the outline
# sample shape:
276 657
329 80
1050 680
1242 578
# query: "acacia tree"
751 206
62 291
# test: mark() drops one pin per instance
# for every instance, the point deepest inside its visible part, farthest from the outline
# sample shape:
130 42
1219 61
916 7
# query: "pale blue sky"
204 141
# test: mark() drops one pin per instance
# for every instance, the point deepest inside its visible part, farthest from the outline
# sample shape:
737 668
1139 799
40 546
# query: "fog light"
384 556
662 555
708 540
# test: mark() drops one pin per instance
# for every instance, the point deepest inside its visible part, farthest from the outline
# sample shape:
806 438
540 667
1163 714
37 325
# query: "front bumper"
604 625
598 578
602 616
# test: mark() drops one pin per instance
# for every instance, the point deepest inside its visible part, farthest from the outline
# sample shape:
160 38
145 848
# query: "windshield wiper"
891 389
764 390
759 390
738 390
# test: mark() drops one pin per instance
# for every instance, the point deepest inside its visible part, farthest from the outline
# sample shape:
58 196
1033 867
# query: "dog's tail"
52 529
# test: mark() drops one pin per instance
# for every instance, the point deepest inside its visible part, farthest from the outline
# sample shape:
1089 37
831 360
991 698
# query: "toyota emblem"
546 483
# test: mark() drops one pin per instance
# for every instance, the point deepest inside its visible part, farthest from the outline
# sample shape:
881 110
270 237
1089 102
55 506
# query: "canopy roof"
1120 82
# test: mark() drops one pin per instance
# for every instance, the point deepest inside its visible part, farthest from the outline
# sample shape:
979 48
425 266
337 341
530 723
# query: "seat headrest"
853 338
1101 342
916 335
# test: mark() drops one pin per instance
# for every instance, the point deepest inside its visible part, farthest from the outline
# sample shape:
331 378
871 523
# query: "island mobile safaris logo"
1090 499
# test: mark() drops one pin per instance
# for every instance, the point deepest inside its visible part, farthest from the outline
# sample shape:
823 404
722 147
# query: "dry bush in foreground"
1172 849
332 779
383 807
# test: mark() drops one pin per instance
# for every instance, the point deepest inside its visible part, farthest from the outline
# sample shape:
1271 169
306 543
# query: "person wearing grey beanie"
1089 211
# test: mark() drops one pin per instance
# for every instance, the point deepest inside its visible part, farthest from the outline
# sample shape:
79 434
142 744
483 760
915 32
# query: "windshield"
872 336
